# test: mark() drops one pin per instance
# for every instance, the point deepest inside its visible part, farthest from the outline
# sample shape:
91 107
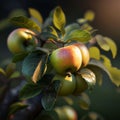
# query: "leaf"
53 31
16 106
113 71
98 73
84 101
59 19
2 71
94 52
71 27
31 62
19 57
47 35
98 64
30 90
36 14
49 96
40 70
25 22
112 46
102 43
89 15
78 35
89 76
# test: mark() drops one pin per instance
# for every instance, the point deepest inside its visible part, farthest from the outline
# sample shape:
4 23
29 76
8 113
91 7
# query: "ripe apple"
66 59
21 40
68 83
85 53
66 113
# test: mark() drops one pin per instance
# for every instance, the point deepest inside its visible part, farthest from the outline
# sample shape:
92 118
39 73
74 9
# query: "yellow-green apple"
66 59
21 40
85 53
68 83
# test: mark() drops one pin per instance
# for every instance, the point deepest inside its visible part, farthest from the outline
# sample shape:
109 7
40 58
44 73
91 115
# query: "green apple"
81 85
21 40
68 83
85 53
66 59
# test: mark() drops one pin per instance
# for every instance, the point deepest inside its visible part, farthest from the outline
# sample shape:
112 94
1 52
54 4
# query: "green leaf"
59 19
30 90
19 57
52 31
98 64
47 35
94 52
49 96
102 42
36 14
98 73
71 27
89 76
23 21
112 46
31 62
16 106
78 35
114 73
40 70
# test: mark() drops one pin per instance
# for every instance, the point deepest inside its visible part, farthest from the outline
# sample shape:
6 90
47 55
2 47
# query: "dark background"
105 99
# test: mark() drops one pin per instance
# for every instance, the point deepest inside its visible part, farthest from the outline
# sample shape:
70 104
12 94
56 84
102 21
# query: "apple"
85 53
21 40
66 59
81 85
68 83
66 113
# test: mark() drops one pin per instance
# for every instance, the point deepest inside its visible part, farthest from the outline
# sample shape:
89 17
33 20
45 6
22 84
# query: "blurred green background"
105 99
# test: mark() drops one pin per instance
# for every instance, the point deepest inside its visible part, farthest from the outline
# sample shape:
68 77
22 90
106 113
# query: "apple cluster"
67 61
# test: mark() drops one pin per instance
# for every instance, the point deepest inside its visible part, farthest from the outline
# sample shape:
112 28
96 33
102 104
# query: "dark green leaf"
40 69
98 73
19 57
49 96
16 106
31 62
47 35
98 64
30 90
59 19
78 35
71 27
23 21
89 76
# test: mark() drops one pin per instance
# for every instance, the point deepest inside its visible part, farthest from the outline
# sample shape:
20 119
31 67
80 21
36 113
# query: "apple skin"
21 40
85 53
66 59
68 83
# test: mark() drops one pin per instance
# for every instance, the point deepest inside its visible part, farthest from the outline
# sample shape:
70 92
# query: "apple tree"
53 61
